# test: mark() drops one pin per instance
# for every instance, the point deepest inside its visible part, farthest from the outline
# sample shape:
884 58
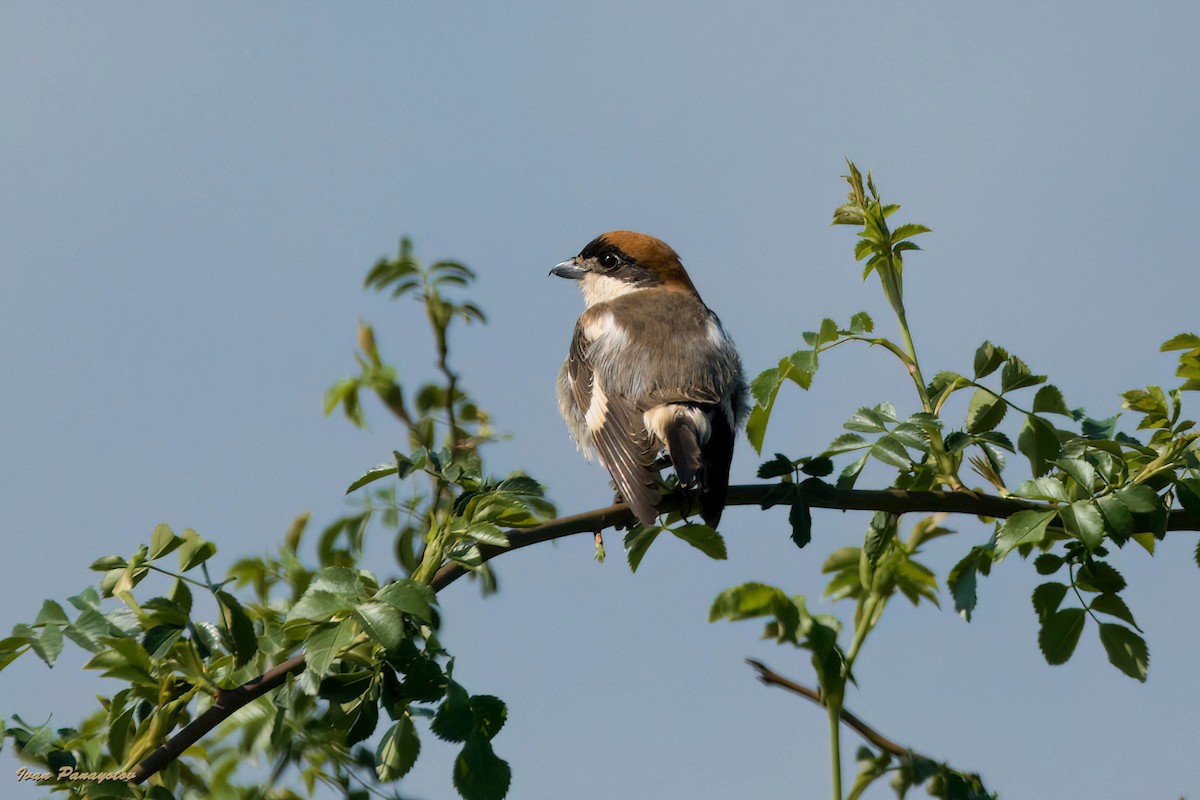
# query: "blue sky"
193 193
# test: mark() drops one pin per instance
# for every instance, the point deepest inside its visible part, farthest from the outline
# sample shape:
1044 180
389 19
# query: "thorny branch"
816 495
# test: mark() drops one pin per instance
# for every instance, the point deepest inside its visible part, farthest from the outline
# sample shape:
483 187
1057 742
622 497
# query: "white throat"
604 289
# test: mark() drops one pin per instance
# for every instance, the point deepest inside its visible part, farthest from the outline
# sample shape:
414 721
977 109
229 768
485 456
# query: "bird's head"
620 262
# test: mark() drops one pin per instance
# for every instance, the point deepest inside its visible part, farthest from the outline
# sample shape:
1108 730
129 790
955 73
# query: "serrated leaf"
1182 341
194 550
861 323
1118 521
888 450
372 475
1083 521
162 541
866 420
962 582
1099 576
764 387
1047 563
1016 375
1139 498
988 359
756 426
637 542
381 622
845 443
1126 650
241 630
1049 489
1187 490
1049 400
776 467
1047 598
818 467
1082 471
1113 605
479 774
409 596
849 475
1023 527
398 750
1039 443
703 538
1060 634
454 719
984 412
800 518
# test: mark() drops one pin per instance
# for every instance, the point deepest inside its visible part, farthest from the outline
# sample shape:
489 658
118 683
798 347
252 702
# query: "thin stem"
835 746
772 678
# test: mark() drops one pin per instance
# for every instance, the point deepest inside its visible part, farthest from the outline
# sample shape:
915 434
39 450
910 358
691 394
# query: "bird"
650 368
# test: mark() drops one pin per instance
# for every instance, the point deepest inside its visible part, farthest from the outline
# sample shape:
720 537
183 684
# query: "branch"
816 494
772 678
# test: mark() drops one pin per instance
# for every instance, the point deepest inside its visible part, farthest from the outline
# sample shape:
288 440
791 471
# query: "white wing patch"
597 411
656 420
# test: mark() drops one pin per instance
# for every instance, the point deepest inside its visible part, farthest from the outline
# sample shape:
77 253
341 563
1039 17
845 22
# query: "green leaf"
454 719
1060 633
1049 489
985 411
1187 490
764 387
397 750
479 774
1117 519
1083 521
48 644
1113 605
861 323
1047 598
51 613
962 582
1099 576
1039 443
800 518
490 714
888 450
1049 400
756 426
988 359
776 467
637 542
1139 498
1048 563
828 332
1081 471
163 541
194 550
409 596
845 443
372 475
1126 650
1182 341
818 467
849 475
703 538
866 420
381 622
1023 527
240 628
1016 375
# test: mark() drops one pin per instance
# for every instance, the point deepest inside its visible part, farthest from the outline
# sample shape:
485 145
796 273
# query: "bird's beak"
568 269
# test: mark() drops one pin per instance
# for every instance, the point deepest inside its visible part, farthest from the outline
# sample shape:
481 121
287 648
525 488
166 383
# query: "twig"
818 495
772 678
